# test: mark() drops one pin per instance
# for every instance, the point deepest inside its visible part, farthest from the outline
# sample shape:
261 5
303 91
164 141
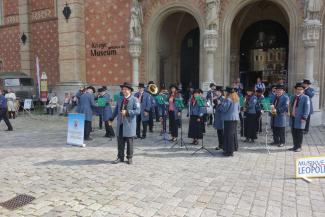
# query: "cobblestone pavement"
72 181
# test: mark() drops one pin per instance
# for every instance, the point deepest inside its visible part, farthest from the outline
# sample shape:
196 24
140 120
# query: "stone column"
25 57
135 46
72 43
210 45
311 35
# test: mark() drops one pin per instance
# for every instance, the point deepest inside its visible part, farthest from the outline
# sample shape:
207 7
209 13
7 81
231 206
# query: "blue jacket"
3 102
78 95
86 105
145 105
130 121
272 96
311 93
251 105
106 111
177 108
259 106
302 111
229 110
279 120
196 110
218 120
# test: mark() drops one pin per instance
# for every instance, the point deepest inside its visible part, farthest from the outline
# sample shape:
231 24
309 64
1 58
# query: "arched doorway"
179 49
260 43
264 53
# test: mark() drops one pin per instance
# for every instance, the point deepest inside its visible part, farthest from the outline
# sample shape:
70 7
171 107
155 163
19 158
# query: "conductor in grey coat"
86 106
126 111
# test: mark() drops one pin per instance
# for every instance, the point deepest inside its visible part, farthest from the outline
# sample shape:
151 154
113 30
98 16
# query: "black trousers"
151 113
144 127
297 136
210 118
109 130
259 122
121 141
157 114
279 135
173 124
230 141
241 124
307 124
4 117
220 138
100 123
87 129
50 110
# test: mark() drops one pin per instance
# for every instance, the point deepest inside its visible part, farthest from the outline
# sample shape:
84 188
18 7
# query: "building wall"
107 26
10 37
44 38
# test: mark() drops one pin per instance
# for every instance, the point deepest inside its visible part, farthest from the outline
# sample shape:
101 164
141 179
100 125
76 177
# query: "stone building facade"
107 42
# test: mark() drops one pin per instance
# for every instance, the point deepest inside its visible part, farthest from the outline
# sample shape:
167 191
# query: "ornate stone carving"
135 47
210 40
12 19
41 14
312 9
212 14
136 20
311 32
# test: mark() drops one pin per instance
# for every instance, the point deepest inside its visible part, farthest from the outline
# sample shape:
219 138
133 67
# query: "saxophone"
273 110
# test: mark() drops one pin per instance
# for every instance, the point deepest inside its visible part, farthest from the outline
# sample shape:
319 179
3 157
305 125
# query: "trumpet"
273 110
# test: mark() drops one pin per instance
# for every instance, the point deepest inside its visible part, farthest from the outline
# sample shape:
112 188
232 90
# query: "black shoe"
280 145
297 150
246 140
89 139
118 160
273 144
252 141
151 131
143 137
291 149
9 130
227 154
130 161
217 148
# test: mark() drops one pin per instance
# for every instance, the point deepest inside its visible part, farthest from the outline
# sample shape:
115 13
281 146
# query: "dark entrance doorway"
190 59
264 53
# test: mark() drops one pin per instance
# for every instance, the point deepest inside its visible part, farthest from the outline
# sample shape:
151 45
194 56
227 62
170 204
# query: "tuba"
153 89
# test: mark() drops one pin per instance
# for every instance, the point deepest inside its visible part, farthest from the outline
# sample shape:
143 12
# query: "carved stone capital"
210 40
311 32
135 47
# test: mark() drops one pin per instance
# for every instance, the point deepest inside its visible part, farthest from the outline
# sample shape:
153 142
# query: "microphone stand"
180 142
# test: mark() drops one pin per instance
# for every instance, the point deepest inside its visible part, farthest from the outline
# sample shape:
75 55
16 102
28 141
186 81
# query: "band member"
299 111
105 112
11 97
145 106
196 113
218 120
152 110
259 108
3 111
229 109
205 115
162 102
250 120
259 85
272 93
174 112
310 92
87 104
279 112
209 98
126 111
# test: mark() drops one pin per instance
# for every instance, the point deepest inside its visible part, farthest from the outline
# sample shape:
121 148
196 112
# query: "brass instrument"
153 89
273 110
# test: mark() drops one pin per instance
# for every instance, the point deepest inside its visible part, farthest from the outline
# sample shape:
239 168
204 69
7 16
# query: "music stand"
202 148
181 143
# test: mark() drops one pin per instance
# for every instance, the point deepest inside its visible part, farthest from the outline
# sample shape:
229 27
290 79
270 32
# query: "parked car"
20 83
